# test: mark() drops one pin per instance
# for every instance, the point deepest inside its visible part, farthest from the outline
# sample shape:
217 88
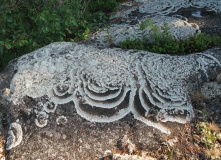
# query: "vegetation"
163 42
195 140
2 147
28 25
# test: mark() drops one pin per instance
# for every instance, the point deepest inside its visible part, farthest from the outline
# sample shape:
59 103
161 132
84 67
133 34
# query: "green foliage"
209 136
103 5
161 41
27 25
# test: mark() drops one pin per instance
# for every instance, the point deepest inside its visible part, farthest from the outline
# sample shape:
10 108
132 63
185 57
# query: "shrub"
28 25
163 42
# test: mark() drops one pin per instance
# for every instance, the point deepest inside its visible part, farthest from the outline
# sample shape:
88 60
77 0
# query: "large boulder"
61 97
77 101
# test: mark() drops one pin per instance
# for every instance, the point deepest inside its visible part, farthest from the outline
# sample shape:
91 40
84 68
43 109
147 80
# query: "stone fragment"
218 78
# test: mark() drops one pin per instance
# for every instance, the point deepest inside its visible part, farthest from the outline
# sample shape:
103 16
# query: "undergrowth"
28 25
196 140
160 40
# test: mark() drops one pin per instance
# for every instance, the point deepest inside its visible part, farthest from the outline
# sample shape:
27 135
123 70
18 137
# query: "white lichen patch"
49 107
131 157
15 134
61 120
107 84
6 93
41 119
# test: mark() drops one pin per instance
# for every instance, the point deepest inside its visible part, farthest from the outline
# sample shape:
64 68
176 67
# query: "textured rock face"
106 84
52 86
125 22
159 7
57 94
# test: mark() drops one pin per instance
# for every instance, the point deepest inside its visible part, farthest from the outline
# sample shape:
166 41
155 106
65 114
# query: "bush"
27 25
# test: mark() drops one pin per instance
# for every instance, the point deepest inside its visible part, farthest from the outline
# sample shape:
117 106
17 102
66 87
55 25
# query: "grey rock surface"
53 85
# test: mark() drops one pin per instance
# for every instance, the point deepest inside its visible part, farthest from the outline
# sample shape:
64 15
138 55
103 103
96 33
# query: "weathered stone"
57 94
177 14
211 90
111 82
132 10
53 85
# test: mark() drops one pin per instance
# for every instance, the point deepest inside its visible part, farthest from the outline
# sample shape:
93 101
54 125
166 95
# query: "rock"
131 157
76 101
58 92
211 90
116 33
136 9
218 78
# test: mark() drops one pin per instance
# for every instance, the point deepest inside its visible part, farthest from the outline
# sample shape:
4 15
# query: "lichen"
15 134
61 120
106 84
41 119
159 7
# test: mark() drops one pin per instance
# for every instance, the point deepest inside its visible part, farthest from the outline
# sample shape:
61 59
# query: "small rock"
218 78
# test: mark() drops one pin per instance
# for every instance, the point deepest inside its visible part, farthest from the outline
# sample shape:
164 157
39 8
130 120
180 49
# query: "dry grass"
214 127
188 142
197 97
213 153
2 148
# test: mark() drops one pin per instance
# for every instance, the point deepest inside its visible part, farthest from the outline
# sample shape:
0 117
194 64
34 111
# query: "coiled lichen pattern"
15 134
107 84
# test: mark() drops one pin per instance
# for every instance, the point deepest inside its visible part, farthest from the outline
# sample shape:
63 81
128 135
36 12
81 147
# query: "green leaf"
8 46
10 19
74 22
47 29
1 49
43 18
69 31
68 11
58 28
67 23
24 42
62 33
20 44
